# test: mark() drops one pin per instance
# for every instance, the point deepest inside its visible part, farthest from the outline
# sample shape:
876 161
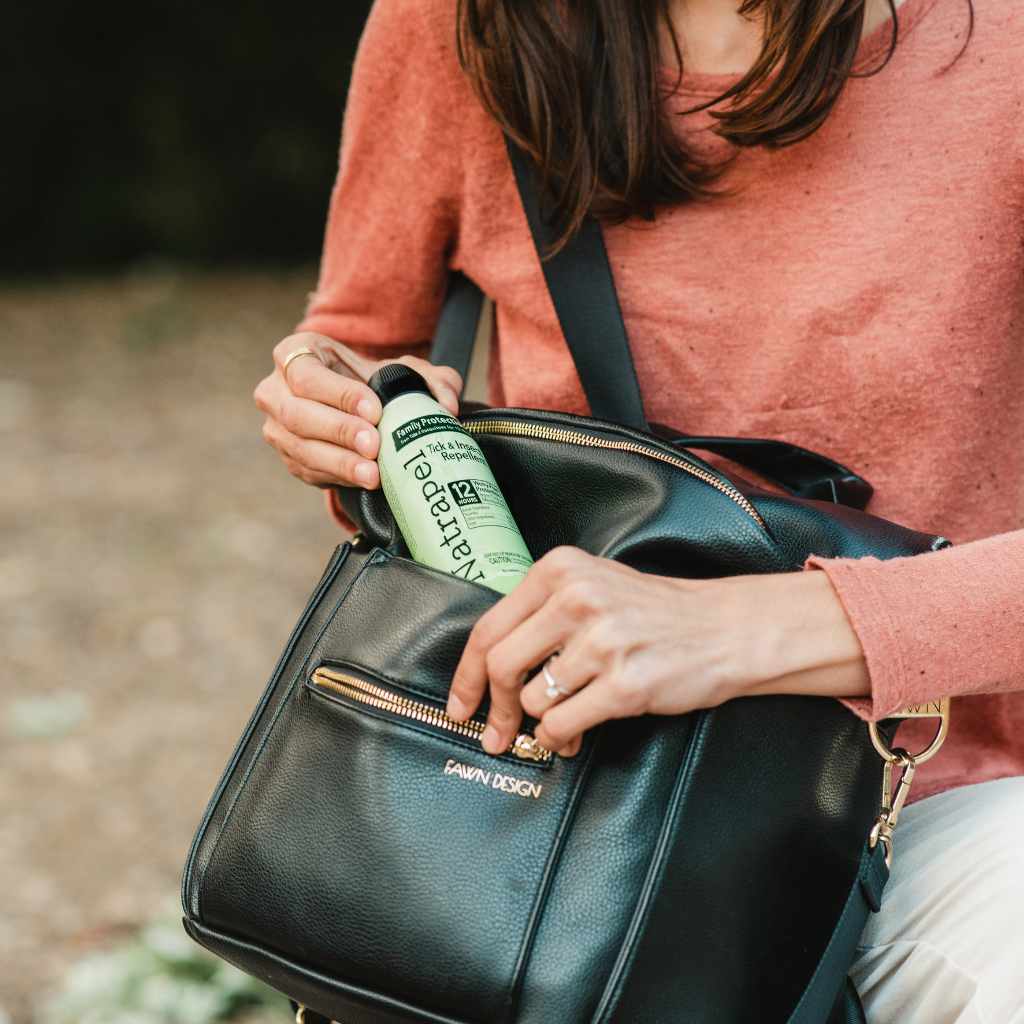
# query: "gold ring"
295 355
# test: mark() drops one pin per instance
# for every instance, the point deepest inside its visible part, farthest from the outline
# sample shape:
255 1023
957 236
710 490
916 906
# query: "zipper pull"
527 747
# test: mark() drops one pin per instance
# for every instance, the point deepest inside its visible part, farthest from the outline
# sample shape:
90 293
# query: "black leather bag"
378 866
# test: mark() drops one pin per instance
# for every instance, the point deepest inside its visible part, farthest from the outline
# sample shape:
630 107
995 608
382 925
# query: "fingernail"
364 442
456 707
365 472
448 397
366 409
490 740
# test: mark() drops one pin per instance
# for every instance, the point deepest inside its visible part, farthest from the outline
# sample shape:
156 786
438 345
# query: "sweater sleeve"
392 218
942 624
393 213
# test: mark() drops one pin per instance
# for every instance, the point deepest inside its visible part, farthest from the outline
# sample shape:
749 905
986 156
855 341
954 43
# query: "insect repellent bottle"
441 491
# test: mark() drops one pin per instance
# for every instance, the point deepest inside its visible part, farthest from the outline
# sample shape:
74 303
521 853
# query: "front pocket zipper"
566 436
362 691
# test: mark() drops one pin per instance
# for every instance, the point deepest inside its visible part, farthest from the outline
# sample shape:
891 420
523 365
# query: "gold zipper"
524 746
566 436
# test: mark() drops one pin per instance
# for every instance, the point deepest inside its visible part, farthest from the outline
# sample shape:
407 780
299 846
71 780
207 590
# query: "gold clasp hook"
892 802
894 799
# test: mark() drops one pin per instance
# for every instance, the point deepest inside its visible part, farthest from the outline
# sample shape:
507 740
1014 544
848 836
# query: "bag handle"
582 290
802 472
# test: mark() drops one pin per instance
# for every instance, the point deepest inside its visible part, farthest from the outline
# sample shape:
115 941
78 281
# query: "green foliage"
159 977
53 714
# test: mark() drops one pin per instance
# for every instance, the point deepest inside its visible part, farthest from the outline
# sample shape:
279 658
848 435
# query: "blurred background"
166 183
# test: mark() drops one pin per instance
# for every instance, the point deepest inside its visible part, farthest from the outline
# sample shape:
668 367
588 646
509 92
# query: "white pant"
947 947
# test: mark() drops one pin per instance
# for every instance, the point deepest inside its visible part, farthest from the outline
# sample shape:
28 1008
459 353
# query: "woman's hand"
632 643
321 418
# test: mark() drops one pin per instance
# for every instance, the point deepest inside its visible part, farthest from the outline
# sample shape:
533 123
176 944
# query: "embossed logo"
493 779
930 709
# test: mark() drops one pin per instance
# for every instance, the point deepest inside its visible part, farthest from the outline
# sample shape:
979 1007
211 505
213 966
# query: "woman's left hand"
633 643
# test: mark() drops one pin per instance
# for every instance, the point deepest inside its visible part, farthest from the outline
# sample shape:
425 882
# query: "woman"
814 213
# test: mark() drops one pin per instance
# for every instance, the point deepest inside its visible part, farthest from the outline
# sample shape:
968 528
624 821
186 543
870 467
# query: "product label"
446 501
423 425
451 536
482 504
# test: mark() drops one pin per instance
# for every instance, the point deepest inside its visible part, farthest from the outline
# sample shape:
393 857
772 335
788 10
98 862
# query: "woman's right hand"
321 418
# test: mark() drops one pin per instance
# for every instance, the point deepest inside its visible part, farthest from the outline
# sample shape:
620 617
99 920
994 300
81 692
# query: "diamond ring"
554 689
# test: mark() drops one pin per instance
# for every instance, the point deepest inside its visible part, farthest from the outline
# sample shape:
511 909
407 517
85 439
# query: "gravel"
155 556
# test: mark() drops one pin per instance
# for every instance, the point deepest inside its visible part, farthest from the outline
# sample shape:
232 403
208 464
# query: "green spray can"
441 491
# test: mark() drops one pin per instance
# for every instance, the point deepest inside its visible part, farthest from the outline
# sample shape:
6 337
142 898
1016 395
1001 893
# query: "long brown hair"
577 83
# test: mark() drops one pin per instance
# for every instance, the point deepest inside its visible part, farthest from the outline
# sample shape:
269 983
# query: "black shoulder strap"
579 280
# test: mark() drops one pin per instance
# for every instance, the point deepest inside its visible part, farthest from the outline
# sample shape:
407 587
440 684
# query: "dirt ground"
155 555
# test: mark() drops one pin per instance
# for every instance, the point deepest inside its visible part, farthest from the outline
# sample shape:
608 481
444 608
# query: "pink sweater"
862 294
